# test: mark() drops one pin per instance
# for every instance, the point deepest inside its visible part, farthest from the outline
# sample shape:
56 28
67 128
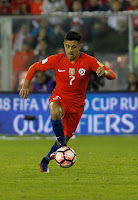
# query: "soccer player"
73 69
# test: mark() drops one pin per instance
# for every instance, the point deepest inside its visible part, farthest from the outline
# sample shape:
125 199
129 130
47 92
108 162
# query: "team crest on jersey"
71 71
100 64
82 71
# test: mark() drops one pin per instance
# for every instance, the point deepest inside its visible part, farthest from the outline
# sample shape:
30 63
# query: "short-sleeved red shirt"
71 78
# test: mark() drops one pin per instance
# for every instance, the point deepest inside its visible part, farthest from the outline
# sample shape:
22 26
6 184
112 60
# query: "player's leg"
45 161
52 152
71 121
51 155
56 112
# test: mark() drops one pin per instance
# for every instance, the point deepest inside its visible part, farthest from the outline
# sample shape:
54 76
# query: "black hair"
72 35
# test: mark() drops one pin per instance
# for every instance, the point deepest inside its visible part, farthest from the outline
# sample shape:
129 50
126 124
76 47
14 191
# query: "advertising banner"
104 114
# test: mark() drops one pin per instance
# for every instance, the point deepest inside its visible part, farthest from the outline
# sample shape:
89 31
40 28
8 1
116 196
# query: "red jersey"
71 78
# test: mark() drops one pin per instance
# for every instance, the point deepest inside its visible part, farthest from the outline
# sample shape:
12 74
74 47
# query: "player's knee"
56 111
55 115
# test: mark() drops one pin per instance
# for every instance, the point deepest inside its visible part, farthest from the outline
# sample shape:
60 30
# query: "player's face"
72 49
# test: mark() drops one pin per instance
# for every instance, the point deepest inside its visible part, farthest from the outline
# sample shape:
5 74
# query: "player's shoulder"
52 59
57 57
87 57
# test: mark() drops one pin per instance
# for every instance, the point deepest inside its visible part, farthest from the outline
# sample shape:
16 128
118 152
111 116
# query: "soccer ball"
65 157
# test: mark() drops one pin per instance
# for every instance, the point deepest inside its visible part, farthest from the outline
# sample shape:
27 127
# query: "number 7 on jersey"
72 79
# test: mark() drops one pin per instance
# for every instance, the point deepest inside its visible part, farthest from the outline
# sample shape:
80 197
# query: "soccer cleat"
44 166
52 155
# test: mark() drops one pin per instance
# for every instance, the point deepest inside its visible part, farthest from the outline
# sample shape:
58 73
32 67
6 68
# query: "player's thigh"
70 122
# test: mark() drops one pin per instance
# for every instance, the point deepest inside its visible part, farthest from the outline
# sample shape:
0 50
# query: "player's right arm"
43 65
24 92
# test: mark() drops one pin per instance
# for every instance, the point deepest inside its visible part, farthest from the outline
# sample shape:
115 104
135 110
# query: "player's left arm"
106 72
102 70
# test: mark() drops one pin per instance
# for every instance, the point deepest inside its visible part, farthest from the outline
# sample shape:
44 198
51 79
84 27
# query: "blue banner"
104 114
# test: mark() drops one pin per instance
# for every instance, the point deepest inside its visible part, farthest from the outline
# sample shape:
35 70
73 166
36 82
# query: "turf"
106 168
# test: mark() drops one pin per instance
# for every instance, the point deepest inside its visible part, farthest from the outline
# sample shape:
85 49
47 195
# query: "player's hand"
100 71
24 92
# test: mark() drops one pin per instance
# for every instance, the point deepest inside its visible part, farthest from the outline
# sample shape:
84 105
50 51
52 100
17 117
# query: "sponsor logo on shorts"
57 97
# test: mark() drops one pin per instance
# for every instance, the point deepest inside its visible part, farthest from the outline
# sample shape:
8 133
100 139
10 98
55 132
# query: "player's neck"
73 60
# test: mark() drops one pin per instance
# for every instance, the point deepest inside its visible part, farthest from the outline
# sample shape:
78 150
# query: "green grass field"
106 168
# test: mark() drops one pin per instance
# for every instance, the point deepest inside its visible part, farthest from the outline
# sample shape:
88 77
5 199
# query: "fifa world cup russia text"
104 114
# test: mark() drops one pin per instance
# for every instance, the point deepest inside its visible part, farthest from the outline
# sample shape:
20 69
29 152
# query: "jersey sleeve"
96 64
43 65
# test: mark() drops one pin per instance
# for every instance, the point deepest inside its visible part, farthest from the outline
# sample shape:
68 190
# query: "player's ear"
64 44
80 46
